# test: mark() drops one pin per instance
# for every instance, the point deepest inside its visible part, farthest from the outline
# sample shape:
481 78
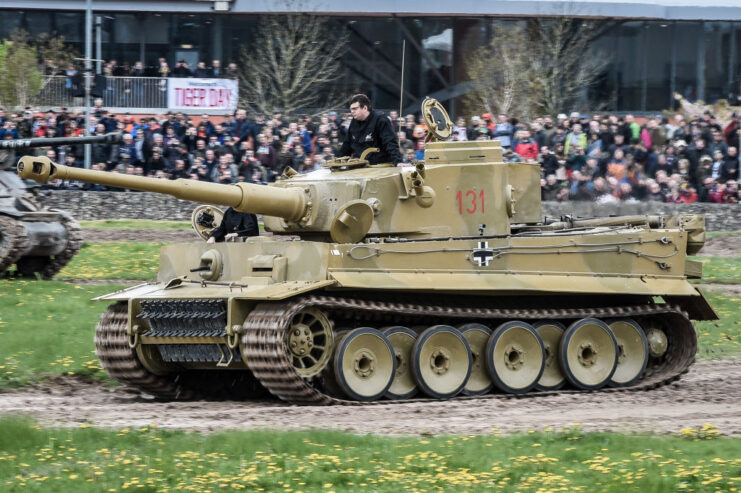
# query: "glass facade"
646 60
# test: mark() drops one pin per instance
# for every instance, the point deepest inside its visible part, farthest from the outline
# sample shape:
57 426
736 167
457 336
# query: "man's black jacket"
242 223
374 131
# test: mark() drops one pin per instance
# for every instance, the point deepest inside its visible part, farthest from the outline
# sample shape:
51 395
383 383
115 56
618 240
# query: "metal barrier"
120 92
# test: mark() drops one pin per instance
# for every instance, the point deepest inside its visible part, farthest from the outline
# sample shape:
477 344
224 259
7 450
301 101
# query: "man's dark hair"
362 100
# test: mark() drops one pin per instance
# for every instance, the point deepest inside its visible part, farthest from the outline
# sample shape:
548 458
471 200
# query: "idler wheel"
588 354
441 361
515 357
364 364
477 336
550 333
632 352
402 339
657 342
309 341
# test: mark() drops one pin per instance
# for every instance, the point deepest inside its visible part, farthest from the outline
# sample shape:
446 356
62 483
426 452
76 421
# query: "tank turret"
435 279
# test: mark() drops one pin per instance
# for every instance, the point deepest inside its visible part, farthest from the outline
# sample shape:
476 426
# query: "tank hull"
33 239
243 322
38 242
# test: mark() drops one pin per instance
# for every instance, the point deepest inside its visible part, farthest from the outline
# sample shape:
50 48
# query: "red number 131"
469 201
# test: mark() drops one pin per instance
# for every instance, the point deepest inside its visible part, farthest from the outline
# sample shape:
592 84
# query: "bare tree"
500 74
293 64
54 53
565 65
541 66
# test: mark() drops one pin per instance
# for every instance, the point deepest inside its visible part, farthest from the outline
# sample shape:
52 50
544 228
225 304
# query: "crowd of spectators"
603 158
162 68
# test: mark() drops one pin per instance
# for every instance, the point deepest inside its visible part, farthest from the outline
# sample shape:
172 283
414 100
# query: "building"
654 48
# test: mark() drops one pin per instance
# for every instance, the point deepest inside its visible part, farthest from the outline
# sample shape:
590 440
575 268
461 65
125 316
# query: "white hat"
575 114
561 116
475 119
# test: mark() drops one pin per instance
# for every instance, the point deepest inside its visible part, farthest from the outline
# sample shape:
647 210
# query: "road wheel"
402 339
515 357
632 352
364 364
550 333
588 354
477 336
441 361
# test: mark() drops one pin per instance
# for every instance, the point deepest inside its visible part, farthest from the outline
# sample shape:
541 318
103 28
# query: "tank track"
263 339
263 347
14 233
74 243
122 363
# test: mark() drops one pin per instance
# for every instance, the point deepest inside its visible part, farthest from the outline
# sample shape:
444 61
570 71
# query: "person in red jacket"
526 147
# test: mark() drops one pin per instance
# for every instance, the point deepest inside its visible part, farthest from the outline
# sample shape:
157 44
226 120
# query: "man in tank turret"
370 129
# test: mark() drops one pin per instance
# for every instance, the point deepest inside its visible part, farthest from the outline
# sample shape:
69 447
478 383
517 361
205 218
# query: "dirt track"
710 393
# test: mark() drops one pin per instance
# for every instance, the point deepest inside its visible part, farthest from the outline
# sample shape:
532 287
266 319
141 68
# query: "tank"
381 283
35 239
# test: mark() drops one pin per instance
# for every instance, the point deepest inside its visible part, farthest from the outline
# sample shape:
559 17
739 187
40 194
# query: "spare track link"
266 355
74 243
122 363
14 238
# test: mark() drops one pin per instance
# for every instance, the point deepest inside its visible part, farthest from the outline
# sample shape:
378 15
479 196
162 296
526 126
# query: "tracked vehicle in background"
383 282
37 240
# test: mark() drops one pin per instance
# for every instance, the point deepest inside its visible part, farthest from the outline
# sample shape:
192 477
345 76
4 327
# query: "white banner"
210 95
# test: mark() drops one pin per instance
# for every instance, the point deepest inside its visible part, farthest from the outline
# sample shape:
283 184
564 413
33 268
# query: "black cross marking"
483 254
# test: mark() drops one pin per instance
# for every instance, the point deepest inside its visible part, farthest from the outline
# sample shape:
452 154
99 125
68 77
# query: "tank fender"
182 288
697 307
49 215
64 214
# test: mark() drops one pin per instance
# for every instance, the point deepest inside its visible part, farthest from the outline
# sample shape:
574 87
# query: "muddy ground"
709 393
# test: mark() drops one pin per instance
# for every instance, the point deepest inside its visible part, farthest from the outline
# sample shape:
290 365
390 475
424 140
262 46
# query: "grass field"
720 338
46 328
723 270
134 224
148 459
114 260
717 234
140 224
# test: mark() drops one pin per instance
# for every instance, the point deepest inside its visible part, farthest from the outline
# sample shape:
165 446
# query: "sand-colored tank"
383 282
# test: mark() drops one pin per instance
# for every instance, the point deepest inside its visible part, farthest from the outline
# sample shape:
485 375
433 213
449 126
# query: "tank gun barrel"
109 138
290 204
